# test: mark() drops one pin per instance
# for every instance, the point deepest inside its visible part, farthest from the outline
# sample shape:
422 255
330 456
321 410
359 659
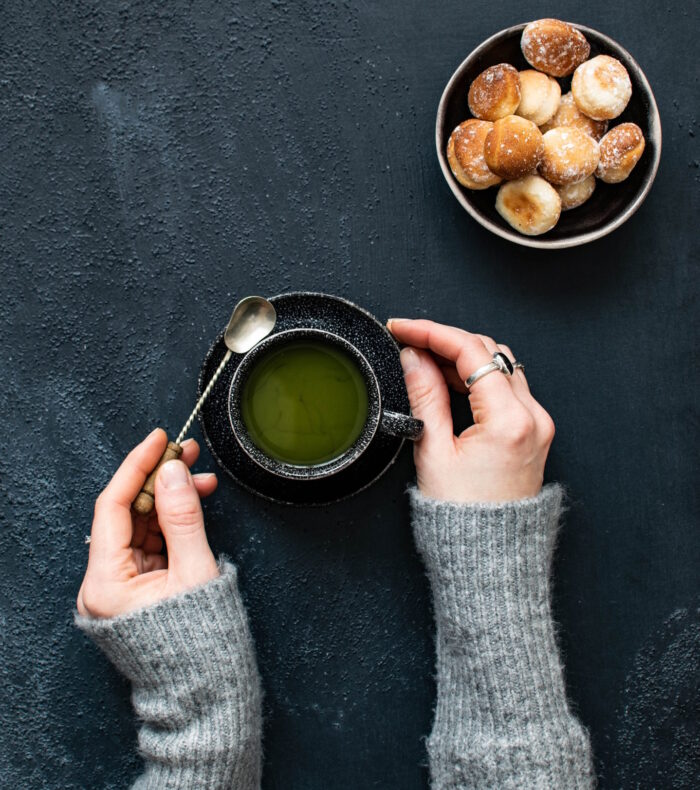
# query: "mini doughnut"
539 96
495 93
554 47
513 147
574 195
530 205
601 87
569 114
620 151
465 153
570 155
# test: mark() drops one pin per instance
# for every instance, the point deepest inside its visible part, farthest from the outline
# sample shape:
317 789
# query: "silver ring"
88 539
500 362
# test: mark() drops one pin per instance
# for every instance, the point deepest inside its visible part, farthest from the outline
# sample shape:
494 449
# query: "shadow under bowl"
611 204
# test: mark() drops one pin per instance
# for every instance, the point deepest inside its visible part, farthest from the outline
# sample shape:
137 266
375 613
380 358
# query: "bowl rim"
513 235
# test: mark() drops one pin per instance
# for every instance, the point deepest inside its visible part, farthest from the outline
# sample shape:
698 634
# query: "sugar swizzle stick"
253 319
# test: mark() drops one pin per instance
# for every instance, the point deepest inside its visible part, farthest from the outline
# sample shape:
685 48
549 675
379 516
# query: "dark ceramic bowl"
611 204
378 418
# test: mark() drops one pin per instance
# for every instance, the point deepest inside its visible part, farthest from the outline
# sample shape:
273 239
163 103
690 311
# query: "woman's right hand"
126 568
501 457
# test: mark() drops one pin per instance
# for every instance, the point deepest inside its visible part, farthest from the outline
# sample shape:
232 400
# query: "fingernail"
393 321
409 359
204 475
174 474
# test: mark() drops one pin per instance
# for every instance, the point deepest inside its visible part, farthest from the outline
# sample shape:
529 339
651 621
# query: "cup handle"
396 424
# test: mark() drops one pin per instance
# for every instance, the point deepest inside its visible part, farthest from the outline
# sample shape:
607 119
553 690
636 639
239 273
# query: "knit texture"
501 719
195 686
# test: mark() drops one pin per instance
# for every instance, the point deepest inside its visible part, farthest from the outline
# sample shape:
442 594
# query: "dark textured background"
162 159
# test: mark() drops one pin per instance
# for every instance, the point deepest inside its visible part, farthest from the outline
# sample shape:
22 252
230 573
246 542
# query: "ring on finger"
500 362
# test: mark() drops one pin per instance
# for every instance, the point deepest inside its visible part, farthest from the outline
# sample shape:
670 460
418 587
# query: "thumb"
428 395
181 519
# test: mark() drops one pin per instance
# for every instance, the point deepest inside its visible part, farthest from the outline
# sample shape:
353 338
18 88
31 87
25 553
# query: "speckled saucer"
370 337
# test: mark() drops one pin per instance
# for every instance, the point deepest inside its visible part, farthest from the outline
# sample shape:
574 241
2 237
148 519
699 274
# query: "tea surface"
305 404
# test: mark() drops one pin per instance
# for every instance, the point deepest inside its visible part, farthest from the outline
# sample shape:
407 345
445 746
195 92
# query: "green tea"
305 403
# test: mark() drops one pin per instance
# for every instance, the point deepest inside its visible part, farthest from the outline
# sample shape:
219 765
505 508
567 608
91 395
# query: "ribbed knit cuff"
176 635
502 718
195 685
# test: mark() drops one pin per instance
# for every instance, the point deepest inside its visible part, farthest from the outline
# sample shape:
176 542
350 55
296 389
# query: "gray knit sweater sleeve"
501 719
195 686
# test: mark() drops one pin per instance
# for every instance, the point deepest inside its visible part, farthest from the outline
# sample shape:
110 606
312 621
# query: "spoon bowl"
252 320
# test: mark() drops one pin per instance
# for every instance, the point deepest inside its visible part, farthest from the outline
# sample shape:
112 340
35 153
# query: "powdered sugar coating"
568 114
576 194
601 87
465 153
495 93
570 155
554 47
539 96
620 150
513 147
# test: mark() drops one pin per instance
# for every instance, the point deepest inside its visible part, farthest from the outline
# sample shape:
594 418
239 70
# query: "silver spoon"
253 319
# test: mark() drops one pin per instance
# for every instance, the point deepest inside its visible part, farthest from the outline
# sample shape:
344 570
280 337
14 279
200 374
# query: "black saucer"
351 322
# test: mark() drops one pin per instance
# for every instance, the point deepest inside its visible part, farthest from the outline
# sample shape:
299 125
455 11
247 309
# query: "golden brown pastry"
495 93
620 150
601 87
465 153
576 194
539 96
554 47
530 205
513 147
570 155
568 114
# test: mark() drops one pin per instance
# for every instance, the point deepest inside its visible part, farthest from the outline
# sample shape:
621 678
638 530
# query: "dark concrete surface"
161 159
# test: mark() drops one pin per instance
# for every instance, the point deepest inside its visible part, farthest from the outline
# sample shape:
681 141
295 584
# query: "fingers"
517 379
181 520
428 396
190 452
149 562
135 468
205 483
466 351
112 524
543 422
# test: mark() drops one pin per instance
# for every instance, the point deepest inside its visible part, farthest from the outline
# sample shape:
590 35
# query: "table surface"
162 159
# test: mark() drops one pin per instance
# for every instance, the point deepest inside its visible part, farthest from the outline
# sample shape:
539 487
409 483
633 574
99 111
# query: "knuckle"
185 515
518 427
547 427
506 350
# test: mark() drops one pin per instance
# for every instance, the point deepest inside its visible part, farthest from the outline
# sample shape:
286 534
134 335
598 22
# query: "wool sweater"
501 718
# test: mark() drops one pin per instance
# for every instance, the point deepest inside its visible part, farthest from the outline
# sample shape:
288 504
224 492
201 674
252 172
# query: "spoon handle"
203 397
143 504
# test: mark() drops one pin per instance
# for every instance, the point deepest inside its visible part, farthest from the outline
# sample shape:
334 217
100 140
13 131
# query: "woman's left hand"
126 568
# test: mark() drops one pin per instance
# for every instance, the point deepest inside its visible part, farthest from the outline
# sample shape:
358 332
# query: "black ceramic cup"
378 419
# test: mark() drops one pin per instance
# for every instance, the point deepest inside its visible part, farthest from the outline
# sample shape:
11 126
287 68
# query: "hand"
126 569
498 459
